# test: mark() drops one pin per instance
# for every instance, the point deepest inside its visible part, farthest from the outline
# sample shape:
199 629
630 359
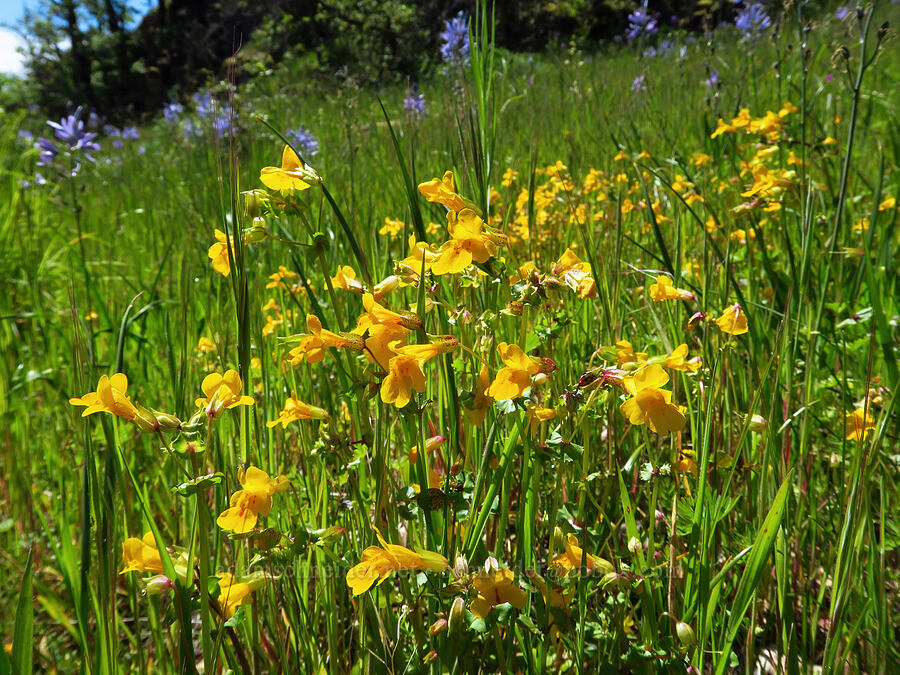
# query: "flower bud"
438 626
430 657
321 242
385 286
254 201
491 565
460 567
145 420
410 320
634 545
167 421
758 423
457 614
686 635
587 378
257 232
158 584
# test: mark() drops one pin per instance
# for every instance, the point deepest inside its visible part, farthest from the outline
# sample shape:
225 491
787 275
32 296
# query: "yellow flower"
291 176
412 264
313 345
218 254
254 500
858 424
571 560
537 415
480 399
346 280
469 242
888 202
443 192
496 588
405 374
575 274
733 320
376 314
512 381
205 345
649 404
141 555
294 410
110 397
625 353
677 360
392 227
378 563
379 343
276 279
232 593
222 392
663 289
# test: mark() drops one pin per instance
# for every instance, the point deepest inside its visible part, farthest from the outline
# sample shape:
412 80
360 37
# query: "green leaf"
23 633
192 486
756 565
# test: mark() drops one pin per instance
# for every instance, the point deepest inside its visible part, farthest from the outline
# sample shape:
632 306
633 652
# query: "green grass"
778 537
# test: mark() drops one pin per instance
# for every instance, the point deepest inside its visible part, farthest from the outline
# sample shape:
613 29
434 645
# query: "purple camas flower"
130 133
25 136
70 130
221 124
639 84
414 103
304 141
713 80
752 20
455 48
203 103
172 111
641 22
48 152
842 13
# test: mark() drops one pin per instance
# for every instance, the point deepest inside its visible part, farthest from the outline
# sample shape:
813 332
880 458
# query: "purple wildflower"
414 103
304 141
25 136
130 133
203 102
842 12
172 110
48 152
639 83
713 80
455 48
641 22
752 20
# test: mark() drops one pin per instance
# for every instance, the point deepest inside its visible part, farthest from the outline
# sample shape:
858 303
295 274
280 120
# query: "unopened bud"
430 657
321 242
559 539
385 286
254 201
438 626
157 584
513 308
491 565
460 567
410 320
548 365
758 423
457 614
587 378
686 635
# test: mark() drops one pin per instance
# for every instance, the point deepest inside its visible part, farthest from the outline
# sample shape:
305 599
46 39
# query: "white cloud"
11 61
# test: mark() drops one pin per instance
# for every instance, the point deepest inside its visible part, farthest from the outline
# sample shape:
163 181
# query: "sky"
10 13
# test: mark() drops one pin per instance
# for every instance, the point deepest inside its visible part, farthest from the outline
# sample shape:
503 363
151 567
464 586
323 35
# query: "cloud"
11 61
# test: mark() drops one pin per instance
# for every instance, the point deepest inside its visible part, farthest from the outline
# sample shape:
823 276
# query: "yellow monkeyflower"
392 227
205 346
571 559
377 314
512 381
442 191
537 415
649 404
110 397
733 320
346 280
888 202
858 424
290 176
313 345
141 555
405 374
469 243
222 392
575 274
496 588
232 593
480 400
382 341
663 289
678 360
218 254
295 409
276 279
252 501
379 562
625 353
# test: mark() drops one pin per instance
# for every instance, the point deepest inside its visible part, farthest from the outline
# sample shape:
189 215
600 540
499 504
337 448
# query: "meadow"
582 362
